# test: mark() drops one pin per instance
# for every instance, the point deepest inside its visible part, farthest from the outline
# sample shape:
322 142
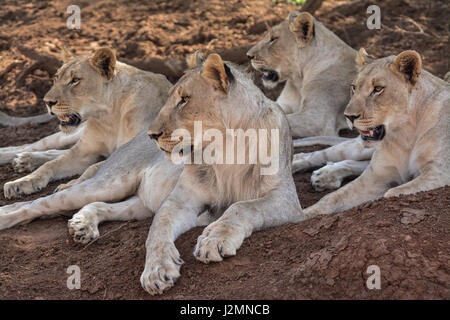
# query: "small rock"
382 224
412 216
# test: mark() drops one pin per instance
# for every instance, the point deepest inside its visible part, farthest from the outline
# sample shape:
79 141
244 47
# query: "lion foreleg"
223 237
332 175
70 163
84 225
177 215
371 185
92 190
58 140
8 121
29 161
89 173
349 150
428 180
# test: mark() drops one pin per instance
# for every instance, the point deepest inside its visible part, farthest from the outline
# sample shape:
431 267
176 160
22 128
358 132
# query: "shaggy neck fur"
246 107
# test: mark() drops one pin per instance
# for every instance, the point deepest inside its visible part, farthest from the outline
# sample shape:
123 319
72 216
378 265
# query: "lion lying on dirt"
101 104
318 68
141 176
402 113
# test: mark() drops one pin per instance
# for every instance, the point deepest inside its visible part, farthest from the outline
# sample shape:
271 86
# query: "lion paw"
219 240
26 162
162 269
83 227
23 186
392 193
63 186
326 178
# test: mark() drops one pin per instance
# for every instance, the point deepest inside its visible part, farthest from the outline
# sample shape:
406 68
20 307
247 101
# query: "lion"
142 179
101 104
318 68
402 113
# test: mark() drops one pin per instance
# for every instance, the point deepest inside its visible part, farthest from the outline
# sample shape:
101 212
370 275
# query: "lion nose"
250 57
50 103
352 118
154 135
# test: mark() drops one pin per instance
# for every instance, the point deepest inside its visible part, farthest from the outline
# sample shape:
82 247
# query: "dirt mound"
407 238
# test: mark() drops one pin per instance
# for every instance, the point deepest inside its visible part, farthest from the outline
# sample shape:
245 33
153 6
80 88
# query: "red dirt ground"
408 237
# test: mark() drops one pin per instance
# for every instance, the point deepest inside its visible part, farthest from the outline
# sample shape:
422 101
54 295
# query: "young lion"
318 68
403 113
222 98
115 100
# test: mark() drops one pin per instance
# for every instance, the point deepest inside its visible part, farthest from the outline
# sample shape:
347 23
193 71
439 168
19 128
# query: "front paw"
83 227
25 162
326 178
23 186
63 186
392 193
162 268
219 240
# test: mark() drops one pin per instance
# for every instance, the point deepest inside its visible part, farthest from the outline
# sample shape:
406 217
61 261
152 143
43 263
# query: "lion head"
380 94
275 55
197 96
220 97
79 87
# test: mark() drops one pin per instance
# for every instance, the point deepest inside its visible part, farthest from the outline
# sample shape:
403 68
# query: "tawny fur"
8 121
114 104
141 180
413 156
318 68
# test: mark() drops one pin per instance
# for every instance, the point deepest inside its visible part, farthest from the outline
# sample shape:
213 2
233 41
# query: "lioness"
101 104
318 68
402 113
239 196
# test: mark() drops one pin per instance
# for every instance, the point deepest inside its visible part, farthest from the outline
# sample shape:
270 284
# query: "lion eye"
377 89
74 81
352 88
183 101
273 39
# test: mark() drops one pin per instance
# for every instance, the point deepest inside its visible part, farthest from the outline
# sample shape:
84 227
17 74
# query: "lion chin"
69 122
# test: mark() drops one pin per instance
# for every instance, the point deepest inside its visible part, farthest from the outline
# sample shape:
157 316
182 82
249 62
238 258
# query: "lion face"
379 95
195 97
274 56
79 87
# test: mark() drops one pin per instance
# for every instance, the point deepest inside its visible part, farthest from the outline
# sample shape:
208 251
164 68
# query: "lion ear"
66 54
363 58
302 26
409 64
216 73
104 62
194 60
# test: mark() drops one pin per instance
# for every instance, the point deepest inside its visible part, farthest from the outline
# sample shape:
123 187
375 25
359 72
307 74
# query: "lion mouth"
374 134
269 75
71 119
